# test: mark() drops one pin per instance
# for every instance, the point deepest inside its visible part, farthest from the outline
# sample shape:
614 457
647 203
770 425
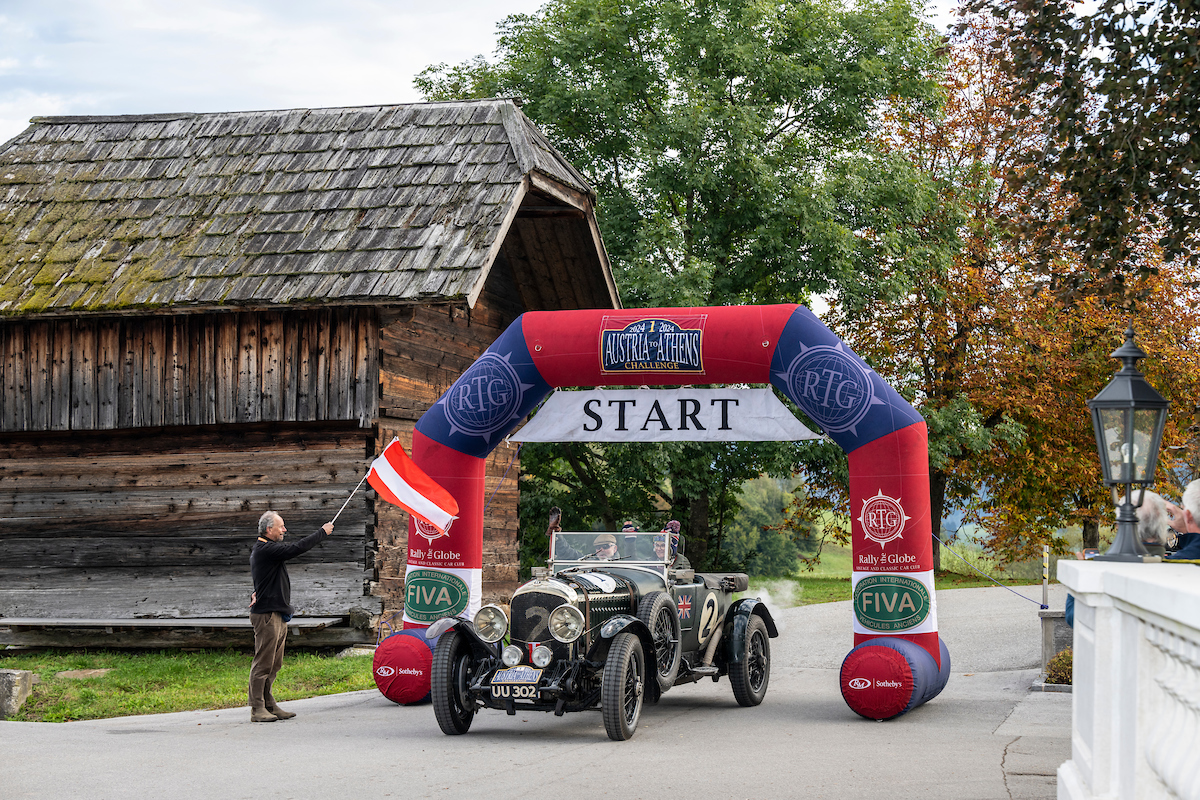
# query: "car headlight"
541 655
491 623
566 623
511 655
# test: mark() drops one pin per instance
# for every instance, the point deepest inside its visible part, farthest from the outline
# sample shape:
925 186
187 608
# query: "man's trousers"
270 634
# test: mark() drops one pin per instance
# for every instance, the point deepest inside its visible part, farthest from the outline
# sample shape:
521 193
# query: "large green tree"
730 146
1115 88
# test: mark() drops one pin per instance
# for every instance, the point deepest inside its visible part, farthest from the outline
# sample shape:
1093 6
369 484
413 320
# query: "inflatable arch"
898 660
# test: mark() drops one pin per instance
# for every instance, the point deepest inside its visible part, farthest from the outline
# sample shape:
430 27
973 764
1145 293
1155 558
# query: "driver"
605 546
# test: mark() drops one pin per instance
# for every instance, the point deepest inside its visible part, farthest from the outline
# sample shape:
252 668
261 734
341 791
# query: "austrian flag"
401 482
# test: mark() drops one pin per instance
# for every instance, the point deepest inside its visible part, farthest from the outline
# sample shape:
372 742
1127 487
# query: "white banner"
664 415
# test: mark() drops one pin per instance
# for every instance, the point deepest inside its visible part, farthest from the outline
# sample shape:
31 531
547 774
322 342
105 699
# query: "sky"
81 57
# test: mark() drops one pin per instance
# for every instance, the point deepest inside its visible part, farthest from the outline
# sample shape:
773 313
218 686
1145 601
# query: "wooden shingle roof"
402 203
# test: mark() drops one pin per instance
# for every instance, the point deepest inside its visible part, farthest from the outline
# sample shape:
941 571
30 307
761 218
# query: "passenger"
677 559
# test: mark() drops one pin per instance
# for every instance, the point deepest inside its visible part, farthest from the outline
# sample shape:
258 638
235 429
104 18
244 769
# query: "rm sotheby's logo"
485 398
890 603
859 683
650 345
882 518
832 387
385 671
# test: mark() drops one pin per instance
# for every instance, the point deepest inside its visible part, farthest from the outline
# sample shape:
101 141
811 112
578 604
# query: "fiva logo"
431 594
889 603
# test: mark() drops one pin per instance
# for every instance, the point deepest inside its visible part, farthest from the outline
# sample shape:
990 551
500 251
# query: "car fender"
479 647
739 619
621 623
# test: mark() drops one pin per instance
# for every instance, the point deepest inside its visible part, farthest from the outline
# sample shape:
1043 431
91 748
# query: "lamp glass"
1116 452
1145 424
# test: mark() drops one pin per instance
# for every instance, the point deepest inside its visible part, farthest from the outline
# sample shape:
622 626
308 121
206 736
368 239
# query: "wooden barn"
205 316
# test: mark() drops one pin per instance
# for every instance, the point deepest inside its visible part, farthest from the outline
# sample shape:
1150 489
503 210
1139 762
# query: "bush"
1058 669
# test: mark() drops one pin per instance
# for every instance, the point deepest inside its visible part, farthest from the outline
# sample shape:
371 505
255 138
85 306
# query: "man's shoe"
262 715
280 713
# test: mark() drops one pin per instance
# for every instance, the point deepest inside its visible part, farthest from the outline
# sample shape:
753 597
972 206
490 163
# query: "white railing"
1135 729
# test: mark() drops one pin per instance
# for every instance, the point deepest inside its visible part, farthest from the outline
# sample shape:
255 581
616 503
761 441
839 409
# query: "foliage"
156 682
1001 368
1060 668
728 142
1116 92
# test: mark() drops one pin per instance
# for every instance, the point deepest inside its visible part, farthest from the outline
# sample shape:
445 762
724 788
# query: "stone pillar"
15 686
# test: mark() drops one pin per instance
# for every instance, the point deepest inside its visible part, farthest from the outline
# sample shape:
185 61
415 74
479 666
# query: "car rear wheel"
623 686
750 675
450 676
661 616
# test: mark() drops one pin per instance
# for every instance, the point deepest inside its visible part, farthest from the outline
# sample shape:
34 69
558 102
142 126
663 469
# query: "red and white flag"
401 482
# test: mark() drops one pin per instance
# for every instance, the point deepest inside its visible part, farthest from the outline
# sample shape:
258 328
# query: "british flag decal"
685 610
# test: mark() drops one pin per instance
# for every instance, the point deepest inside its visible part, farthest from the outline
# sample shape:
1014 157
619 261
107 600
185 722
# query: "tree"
1117 95
728 143
1000 366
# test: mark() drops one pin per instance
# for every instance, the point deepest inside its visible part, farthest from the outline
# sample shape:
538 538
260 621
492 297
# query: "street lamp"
1128 416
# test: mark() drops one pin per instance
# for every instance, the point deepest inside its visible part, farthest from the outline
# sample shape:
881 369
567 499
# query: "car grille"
530 614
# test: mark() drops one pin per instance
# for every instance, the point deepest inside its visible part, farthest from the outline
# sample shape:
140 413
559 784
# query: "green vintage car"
613 632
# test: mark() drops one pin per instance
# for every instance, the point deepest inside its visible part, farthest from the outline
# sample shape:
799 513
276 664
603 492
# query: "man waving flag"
401 482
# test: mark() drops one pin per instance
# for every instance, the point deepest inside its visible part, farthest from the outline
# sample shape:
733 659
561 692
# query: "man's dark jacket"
272 587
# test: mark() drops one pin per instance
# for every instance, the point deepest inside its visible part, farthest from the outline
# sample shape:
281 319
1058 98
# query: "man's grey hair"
1152 519
266 521
1191 499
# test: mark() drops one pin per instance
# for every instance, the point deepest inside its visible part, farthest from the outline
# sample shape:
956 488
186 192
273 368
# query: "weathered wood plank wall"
189 369
423 350
160 521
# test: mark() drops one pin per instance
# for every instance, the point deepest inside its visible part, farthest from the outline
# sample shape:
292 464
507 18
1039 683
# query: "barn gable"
203 316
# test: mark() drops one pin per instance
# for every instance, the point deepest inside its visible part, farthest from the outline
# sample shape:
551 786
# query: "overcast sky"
60 57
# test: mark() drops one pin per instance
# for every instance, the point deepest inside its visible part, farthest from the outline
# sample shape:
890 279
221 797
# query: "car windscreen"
638 548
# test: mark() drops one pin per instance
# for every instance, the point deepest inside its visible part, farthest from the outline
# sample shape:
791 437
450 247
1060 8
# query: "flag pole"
348 499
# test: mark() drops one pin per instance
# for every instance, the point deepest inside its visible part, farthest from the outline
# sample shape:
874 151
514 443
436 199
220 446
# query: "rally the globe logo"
882 518
428 532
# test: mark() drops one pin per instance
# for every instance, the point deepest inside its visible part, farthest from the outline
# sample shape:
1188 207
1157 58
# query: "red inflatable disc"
401 667
877 682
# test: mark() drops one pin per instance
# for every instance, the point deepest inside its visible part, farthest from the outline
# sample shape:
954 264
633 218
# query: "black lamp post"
1128 416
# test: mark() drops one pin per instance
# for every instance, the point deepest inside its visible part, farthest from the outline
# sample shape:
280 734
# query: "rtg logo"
485 398
882 518
832 387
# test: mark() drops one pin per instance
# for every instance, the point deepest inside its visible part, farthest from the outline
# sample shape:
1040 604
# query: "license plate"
516 683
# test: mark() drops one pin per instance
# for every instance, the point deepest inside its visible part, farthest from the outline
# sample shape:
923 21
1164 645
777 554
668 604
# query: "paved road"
986 736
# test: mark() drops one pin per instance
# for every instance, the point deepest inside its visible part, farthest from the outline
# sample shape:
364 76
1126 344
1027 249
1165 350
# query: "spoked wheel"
450 676
623 686
661 616
750 675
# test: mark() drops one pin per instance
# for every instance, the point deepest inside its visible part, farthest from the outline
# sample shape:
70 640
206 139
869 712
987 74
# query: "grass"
157 682
829 582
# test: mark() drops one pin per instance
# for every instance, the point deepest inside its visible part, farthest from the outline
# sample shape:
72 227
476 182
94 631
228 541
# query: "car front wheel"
749 676
623 686
661 616
450 676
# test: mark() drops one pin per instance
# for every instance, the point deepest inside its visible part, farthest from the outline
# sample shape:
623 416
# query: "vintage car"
612 632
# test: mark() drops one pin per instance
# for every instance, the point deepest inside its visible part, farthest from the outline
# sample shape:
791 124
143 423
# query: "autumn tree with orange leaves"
1000 367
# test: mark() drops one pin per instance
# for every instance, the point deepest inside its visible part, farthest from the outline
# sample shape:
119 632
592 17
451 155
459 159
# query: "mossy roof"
399 203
